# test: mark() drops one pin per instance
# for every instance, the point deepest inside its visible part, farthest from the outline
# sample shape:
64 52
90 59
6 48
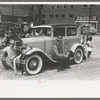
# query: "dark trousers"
89 53
62 62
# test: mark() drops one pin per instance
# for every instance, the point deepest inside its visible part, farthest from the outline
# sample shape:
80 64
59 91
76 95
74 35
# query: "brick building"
51 14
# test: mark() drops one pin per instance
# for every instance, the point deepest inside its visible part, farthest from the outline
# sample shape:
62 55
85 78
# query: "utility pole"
39 13
13 12
38 17
90 8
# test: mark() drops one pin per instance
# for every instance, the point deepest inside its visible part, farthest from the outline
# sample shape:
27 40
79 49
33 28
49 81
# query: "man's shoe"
58 70
68 67
62 69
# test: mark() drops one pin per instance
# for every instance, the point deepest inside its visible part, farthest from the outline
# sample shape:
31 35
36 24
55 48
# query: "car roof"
64 25
53 25
42 26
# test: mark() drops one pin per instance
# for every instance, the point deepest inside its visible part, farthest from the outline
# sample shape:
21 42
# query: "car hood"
36 39
33 40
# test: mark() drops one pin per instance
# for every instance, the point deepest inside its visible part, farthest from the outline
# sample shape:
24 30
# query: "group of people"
88 46
87 41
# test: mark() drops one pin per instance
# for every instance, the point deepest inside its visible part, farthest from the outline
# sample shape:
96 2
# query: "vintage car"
39 48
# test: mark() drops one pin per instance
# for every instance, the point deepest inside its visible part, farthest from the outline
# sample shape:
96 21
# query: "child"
89 46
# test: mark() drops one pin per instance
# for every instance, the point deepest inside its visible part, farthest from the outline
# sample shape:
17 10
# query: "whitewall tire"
34 64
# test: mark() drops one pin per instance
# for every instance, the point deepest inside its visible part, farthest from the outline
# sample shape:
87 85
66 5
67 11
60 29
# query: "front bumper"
20 61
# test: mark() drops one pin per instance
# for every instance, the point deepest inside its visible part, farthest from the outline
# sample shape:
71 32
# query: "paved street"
87 70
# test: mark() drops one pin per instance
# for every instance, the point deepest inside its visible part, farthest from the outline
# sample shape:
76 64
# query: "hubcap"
78 56
33 64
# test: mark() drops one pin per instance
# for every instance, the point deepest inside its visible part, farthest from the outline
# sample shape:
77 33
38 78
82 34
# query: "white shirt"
89 46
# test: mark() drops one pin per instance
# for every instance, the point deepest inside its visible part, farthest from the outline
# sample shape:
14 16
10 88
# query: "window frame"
87 6
52 7
70 28
63 17
56 16
64 7
51 17
59 28
71 7
70 17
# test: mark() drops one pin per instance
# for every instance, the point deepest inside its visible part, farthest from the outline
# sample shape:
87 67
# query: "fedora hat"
59 38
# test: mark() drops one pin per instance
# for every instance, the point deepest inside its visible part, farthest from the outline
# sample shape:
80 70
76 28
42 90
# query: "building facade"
70 14
51 14
14 13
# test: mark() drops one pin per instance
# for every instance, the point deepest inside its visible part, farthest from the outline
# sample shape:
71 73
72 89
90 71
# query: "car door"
72 37
59 31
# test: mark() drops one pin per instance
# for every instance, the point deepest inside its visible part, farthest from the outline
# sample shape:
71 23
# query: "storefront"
86 20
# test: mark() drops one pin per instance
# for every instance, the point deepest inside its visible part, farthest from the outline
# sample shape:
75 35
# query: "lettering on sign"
86 18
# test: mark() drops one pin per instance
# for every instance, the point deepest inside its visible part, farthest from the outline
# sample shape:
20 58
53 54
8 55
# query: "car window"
71 31
59 31
42 31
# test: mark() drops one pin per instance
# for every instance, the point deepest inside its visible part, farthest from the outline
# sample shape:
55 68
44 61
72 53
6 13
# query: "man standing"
59 56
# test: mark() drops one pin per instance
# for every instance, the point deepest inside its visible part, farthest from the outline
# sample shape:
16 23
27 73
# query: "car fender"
37 50
76 45
6 49
9 51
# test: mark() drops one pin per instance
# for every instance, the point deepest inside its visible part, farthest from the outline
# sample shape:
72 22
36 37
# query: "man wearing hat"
59 56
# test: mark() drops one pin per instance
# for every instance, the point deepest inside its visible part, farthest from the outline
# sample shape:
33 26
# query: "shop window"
64 6
70 16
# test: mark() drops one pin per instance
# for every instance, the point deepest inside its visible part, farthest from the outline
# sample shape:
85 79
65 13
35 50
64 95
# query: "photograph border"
50 89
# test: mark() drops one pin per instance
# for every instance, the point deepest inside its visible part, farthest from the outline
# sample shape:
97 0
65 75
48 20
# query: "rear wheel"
33 64
78 55
5 61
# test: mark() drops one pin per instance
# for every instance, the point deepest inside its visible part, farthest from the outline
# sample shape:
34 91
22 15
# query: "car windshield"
42 31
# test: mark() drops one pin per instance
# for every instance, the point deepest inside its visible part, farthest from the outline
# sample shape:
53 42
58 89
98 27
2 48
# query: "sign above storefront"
86 18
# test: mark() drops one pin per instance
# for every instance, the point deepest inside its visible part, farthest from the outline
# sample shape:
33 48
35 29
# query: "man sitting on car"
59 56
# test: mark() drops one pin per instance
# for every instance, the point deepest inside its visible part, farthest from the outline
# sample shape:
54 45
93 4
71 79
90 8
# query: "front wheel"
33 64
78 55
